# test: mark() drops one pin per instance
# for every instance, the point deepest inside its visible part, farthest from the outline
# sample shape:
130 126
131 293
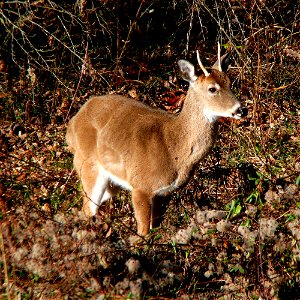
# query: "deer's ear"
187 70
225 62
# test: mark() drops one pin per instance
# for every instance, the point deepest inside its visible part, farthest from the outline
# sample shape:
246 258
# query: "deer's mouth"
240 113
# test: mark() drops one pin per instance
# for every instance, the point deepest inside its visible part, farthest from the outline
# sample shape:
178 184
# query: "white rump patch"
100 192
115 179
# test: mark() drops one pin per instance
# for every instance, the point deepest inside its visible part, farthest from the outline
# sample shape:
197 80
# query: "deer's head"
212 90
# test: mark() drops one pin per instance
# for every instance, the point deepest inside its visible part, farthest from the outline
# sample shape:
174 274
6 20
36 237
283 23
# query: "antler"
219 57
200 64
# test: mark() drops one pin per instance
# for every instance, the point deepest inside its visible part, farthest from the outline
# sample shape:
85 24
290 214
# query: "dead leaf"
46 207
132 93
108 234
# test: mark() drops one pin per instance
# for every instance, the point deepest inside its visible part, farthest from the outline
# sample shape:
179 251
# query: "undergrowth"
231 233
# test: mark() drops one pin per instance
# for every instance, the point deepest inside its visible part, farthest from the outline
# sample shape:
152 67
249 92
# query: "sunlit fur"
119 142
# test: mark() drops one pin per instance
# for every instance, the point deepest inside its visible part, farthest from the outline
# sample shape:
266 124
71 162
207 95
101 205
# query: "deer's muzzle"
241 112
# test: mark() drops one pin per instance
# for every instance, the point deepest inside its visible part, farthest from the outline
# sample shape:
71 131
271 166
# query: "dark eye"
212 90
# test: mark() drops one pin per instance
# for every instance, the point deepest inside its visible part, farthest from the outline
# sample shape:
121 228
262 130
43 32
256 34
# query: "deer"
121 143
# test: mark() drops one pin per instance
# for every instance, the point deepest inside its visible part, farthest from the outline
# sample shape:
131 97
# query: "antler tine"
200 64
219 57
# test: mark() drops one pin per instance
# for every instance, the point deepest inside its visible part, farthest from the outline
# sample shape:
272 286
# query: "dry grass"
231 233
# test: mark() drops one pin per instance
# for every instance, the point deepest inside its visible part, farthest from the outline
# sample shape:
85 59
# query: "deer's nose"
241 112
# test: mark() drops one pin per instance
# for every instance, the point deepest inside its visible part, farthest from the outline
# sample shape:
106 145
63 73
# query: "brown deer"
118 142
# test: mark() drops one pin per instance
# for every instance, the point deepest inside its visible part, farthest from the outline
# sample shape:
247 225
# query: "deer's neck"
195 128
191 134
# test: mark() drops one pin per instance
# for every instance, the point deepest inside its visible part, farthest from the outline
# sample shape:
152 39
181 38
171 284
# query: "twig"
133 24
6 282
282 87
79 82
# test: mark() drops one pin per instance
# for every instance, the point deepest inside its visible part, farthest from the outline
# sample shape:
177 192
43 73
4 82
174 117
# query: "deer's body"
121 143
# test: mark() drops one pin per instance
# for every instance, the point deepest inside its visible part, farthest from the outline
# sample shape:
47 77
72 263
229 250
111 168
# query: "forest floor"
233 232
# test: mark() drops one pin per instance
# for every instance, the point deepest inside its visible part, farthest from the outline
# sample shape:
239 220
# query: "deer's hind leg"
96 187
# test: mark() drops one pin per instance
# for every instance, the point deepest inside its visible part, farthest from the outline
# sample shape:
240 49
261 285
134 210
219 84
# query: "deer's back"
125 137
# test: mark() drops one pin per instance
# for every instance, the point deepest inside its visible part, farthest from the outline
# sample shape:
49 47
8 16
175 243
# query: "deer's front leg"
142 208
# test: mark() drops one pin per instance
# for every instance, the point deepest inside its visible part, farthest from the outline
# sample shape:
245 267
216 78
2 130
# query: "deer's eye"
212 90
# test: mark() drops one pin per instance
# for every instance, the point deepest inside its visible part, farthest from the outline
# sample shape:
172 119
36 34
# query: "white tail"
121 143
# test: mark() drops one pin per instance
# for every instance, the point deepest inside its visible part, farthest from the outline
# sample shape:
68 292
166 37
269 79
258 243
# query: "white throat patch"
210 115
